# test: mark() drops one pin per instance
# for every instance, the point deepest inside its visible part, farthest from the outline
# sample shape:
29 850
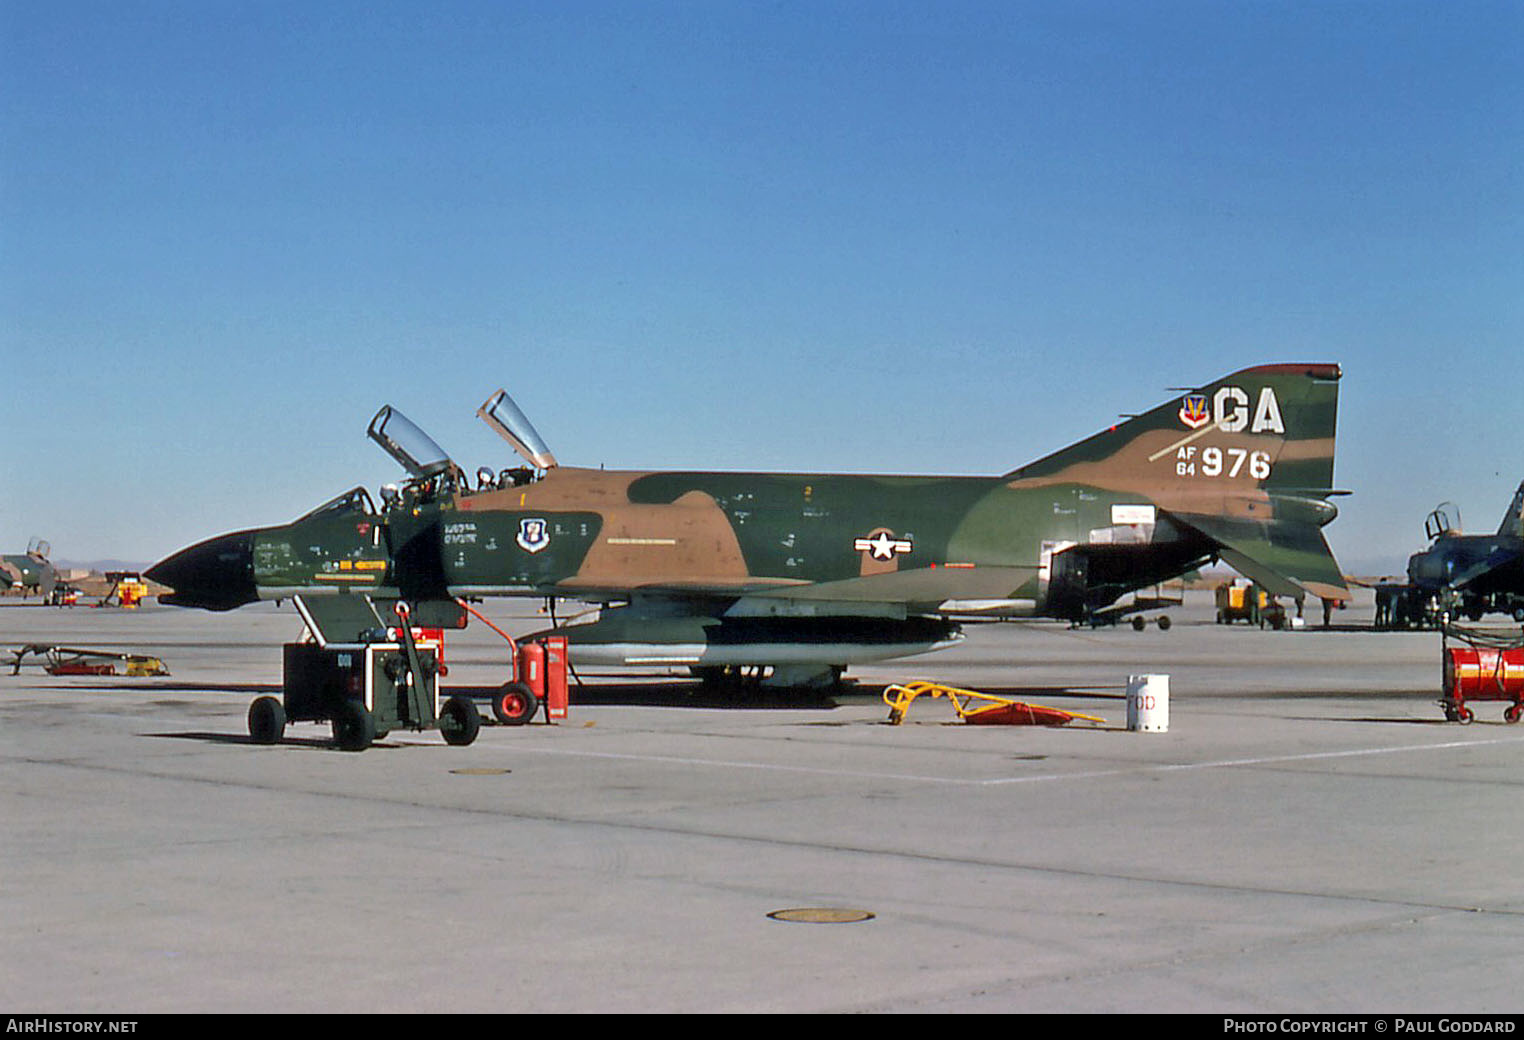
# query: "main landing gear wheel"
515 704
459 721
267 720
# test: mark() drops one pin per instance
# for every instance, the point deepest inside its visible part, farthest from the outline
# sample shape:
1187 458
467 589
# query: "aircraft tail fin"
1513 519
1271 426
1246 461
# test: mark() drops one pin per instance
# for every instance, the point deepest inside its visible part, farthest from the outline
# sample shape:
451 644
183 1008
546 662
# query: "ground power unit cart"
363 676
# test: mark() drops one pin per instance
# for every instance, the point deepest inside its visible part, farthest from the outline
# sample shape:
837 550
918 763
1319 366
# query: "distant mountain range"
103 566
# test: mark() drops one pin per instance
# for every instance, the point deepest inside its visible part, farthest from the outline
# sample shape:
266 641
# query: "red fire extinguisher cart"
539 678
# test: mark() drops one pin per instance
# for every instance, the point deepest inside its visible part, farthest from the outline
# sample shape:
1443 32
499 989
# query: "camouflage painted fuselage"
917 541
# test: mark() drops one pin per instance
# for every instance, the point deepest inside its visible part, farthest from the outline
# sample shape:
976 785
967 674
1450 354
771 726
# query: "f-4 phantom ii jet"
1472 574
30 572
801 575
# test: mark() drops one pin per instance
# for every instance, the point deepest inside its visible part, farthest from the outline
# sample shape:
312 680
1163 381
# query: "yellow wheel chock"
994 711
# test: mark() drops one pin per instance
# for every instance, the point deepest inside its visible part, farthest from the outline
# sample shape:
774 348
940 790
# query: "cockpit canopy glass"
413 449
511 424
356 500
1445 519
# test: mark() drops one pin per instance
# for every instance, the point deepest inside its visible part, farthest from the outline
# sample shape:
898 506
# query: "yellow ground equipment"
127 590
72 660
1249 602
131 593
977 708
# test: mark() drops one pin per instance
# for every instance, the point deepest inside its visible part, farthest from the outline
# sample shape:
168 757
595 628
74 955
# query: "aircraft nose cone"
217 574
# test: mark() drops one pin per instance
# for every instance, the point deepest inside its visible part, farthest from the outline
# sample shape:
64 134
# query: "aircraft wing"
1285 557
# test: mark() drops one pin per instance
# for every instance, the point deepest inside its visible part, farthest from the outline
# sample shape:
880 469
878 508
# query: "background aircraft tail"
1513 519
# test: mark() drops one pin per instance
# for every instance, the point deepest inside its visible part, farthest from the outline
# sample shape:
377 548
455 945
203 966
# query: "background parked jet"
1472 574
805 574
30 571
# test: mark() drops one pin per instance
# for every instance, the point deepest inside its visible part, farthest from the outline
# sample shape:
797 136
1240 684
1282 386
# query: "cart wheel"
1464 715
459 721
354 727
267 720
515 704
1512 712
1164 622
1139 623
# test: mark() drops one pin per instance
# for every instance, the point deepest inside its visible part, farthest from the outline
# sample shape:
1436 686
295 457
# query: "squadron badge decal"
1193 411
534 534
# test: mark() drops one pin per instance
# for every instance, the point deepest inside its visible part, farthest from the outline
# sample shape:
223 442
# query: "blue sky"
865 237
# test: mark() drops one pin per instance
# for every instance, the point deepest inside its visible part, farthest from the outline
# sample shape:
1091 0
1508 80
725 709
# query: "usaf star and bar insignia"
882 545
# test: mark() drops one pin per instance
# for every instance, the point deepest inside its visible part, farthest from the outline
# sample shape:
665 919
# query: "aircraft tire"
354 727
515 704
267 720
459 721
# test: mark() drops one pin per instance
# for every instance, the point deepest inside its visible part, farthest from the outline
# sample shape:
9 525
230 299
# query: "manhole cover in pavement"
821 915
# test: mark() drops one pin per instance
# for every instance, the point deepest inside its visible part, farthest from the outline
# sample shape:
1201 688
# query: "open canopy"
511 424
413 449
